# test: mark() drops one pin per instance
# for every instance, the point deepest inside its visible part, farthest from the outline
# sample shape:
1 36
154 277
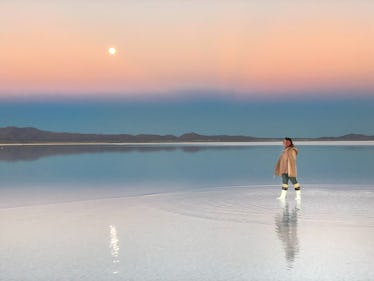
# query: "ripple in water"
259 205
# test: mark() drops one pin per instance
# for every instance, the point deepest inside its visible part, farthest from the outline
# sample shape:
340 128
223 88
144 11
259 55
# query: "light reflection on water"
114 248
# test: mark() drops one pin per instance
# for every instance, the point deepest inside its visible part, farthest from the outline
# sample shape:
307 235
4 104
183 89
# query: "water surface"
184 213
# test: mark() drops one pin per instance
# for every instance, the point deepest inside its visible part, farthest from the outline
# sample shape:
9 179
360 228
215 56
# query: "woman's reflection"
286 228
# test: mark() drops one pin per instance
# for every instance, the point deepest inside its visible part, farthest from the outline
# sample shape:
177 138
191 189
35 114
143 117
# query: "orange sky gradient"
244 49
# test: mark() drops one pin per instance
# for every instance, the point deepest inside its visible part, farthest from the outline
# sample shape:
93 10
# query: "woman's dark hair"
290 140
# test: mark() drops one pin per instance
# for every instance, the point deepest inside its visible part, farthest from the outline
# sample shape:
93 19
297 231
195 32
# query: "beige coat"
287 162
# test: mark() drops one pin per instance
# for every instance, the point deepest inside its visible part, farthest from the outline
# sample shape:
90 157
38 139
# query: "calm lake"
119 169
116 212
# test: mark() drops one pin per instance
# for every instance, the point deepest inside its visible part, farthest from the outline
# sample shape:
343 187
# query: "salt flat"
215 233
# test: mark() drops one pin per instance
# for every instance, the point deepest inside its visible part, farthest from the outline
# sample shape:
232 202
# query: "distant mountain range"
33 135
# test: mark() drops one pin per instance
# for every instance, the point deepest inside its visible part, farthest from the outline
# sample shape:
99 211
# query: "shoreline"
264 143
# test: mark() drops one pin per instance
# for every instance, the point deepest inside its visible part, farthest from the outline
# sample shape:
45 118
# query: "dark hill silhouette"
33 135
357 137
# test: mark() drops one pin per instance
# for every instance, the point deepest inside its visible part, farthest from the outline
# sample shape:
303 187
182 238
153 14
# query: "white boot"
283 195
298 195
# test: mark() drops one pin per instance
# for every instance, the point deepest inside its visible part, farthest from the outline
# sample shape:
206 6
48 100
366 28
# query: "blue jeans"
286 178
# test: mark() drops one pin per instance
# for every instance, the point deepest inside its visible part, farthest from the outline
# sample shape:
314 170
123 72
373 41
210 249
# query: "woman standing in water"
286 168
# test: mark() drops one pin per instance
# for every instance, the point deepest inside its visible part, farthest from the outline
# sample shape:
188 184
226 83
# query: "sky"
313 118
223 57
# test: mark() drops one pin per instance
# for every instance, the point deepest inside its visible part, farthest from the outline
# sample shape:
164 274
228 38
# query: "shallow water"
231 233
177 214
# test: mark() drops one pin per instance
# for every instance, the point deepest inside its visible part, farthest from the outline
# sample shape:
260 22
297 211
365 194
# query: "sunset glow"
241 48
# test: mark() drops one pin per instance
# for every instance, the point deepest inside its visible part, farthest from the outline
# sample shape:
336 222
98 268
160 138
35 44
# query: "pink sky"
265 47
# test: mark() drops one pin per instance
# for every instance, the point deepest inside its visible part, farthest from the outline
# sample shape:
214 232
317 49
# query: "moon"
112 51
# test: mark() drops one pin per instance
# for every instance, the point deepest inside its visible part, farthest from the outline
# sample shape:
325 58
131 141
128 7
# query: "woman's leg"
284 187
296 185
285 179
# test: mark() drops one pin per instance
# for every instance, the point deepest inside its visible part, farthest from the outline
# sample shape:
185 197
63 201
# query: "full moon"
112 51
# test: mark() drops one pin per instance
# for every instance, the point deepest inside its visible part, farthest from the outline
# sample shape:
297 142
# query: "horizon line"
186 133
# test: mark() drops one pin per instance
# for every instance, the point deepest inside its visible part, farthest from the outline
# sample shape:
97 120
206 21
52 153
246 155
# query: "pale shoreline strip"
265 143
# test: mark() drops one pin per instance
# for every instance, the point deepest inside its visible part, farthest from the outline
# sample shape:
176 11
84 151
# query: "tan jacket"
287 162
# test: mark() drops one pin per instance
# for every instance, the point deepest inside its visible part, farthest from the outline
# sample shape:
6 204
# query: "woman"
286 168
